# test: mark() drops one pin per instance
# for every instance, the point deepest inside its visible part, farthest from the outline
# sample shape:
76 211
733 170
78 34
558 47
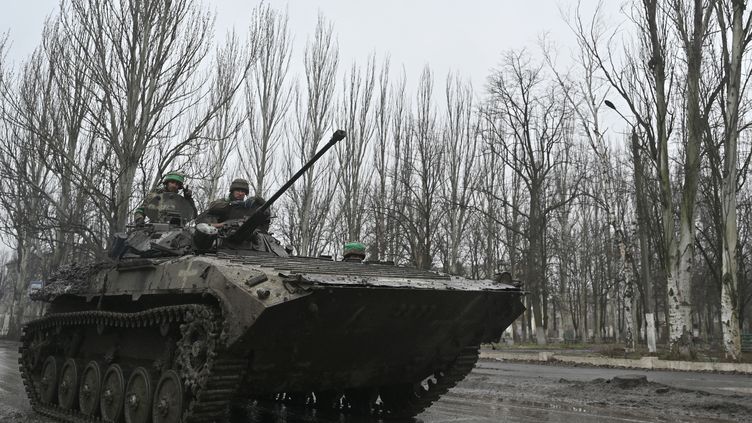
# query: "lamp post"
642 231
610 105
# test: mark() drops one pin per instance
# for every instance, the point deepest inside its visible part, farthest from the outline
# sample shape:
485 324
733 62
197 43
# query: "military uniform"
229 208
163 206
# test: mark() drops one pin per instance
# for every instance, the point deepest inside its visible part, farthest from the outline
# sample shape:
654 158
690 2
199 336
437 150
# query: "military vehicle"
187 319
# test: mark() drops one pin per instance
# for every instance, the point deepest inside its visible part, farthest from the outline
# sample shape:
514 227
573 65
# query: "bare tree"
267 93
732 65
460 143
422 167
538 117
144 61
645 83
497 201
381 161
70 151
209 161
692 22
585 97
356 114
309 201
401 133
23 176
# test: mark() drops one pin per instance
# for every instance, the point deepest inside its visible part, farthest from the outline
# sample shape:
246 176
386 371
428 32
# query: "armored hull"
176 339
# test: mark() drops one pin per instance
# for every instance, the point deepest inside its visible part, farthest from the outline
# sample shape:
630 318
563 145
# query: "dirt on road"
622 392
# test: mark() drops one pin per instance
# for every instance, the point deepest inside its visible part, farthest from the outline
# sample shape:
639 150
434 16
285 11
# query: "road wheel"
138 397
113 394
48 383
88 392
67 391
168 399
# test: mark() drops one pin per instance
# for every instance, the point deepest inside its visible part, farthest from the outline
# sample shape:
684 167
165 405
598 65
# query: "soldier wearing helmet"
237 205
165 203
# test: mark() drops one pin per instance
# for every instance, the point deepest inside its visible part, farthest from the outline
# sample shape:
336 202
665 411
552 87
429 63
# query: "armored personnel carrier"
187 319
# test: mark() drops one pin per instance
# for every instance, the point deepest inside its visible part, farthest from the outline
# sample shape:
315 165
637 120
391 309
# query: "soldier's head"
173 181
239 188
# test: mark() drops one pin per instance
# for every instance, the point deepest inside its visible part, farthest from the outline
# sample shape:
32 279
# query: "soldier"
172 183
237 205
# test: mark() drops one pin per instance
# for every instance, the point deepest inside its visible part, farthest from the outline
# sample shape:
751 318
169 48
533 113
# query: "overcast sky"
467 36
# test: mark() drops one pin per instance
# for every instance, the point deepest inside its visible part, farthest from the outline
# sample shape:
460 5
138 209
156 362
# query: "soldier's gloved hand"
187 193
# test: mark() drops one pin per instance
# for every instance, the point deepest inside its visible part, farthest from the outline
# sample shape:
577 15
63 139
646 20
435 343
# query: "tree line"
634 231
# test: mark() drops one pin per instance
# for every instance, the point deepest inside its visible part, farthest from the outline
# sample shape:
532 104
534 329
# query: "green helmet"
174 176
354 249
240 184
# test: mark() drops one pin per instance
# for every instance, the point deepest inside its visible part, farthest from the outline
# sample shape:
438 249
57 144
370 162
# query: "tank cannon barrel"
256 218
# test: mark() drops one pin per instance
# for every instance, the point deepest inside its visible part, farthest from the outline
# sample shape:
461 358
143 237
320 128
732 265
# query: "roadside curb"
649 363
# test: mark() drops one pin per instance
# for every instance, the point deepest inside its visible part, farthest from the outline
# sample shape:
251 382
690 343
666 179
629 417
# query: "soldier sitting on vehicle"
165 204
237 205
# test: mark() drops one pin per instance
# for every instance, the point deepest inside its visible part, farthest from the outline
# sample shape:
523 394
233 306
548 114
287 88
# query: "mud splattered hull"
178 338
348 337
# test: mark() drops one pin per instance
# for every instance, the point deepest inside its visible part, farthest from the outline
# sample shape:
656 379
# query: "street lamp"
610 105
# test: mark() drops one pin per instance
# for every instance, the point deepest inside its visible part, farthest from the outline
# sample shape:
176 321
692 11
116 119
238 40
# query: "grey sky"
467 36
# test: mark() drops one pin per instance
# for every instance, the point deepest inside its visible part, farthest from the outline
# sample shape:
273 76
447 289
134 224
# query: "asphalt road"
718 383
509 392
11 388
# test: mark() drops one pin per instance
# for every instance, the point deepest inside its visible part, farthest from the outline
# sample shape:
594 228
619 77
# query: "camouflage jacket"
160 205
228 209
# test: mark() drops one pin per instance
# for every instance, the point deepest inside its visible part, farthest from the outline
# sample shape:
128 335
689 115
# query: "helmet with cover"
240 184
354 251
177 177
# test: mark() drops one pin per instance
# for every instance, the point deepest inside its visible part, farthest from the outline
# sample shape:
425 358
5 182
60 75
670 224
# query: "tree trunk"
681 262
729 268
642 233
629 310
122 197
20 289
535 265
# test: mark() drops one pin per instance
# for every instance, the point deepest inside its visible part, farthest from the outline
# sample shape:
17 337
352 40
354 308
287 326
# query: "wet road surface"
11 388
506 392
716 383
